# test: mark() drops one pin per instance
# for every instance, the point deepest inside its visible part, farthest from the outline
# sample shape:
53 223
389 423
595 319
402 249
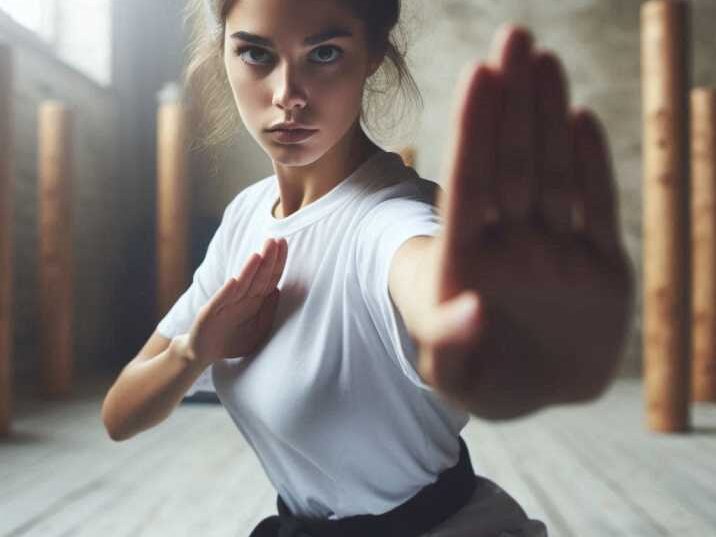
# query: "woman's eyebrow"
330 33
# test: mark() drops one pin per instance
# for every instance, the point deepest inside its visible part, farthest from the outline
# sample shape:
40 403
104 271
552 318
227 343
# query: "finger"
499 41
263 276
454 336
235 288
248 285
467 198
280 264
515 149
218 301
595 182
554 155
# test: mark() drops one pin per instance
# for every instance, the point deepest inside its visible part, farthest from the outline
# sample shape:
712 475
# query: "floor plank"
632 479
489 447
590 470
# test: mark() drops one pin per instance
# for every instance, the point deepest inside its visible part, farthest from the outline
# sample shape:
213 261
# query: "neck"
299 186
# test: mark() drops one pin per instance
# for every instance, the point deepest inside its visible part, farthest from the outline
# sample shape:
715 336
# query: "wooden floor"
587 471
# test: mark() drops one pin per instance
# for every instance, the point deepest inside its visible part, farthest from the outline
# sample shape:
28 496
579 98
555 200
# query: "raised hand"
530 249
239 316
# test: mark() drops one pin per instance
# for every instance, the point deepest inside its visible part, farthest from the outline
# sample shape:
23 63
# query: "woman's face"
302 62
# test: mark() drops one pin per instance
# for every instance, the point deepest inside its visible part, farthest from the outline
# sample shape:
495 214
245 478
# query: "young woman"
351 316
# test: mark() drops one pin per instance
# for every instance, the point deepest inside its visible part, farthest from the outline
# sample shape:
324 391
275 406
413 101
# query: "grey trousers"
491 512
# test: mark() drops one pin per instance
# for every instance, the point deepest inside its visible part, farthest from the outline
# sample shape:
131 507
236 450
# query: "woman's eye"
326 54
261 57
254 56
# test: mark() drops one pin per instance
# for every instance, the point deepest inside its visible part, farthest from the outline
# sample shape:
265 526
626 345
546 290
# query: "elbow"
115 433
110 422
112 431
114 436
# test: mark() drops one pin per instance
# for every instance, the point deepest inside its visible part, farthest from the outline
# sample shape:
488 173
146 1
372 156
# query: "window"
79 31
36 16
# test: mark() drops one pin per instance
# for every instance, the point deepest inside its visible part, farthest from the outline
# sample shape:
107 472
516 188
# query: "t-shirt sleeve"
208 278
385 228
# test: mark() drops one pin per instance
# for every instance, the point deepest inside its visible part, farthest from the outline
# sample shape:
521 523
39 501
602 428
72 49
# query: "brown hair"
381 111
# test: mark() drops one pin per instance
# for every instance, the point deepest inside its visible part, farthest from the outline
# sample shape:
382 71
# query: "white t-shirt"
332 403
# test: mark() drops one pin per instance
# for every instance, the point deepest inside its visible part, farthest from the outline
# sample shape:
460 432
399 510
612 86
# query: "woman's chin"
295 155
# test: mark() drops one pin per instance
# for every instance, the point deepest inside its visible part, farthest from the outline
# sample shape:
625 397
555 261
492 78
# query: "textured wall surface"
40 76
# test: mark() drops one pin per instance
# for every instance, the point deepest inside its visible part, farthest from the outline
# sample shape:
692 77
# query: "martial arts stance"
352 315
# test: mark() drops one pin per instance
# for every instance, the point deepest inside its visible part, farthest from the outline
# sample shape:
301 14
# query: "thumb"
455 332
458 321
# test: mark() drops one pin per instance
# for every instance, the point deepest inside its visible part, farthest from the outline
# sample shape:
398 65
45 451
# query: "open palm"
530 230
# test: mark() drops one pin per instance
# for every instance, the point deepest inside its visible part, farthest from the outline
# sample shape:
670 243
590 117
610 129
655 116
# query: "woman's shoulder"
401 202
410 188
392 180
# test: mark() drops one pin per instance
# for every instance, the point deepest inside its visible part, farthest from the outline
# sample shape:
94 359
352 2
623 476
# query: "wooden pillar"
666 71
703 211
172 200
7 193
55 258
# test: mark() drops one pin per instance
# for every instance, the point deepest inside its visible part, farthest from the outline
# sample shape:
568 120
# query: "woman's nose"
289 92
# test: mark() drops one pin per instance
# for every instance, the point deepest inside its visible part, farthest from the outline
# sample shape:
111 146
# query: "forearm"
145 393
411 285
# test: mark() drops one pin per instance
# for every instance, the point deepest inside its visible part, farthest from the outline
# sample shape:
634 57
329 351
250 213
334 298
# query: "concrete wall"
84 40
39 75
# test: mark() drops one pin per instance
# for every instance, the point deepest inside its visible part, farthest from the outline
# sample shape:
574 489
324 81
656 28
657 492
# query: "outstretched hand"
530 268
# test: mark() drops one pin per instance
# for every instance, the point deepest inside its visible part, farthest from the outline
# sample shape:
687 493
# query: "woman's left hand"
554 293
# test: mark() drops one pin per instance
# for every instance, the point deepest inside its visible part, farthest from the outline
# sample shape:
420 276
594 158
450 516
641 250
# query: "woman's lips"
292 135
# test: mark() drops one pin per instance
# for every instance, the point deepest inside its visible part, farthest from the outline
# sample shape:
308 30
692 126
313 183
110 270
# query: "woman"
378 314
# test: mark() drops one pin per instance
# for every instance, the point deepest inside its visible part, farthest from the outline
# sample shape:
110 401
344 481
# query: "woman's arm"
512 374
150 387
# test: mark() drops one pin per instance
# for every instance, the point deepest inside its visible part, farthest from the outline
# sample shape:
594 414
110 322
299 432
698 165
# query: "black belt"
425 510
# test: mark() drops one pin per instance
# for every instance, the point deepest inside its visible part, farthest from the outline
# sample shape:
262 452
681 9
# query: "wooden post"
7 192
55 258
408 156
172 199
703 211
666 71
